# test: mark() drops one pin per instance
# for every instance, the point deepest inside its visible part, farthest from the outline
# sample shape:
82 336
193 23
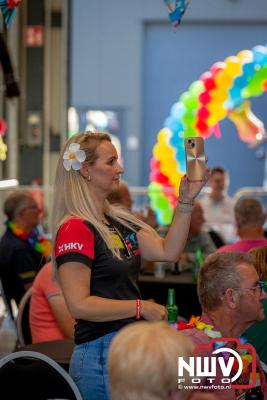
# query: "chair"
23 322
34 376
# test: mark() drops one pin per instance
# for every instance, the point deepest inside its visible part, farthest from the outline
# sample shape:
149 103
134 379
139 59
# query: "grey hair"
249 212
217 274
15 203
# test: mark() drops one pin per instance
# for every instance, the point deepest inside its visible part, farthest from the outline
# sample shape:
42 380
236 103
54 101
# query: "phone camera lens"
192 144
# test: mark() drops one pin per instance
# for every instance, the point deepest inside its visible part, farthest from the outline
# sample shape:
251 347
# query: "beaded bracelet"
138 309
185 207
186 202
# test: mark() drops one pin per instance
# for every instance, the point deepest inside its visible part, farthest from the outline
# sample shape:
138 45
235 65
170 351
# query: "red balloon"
210 84
204 98
157 176
208 80
203 113
202 127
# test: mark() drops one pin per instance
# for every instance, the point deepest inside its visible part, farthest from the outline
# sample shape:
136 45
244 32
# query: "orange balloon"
247 124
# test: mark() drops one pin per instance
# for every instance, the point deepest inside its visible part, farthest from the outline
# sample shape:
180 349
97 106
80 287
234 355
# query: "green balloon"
190 132
154 190
162 202
189 100
188 118
166 216
196 88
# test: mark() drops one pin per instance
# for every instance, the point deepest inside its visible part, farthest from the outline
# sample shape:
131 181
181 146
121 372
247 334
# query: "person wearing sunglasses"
97 252
257 333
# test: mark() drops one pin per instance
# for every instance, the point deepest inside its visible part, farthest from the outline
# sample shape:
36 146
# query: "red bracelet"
138 309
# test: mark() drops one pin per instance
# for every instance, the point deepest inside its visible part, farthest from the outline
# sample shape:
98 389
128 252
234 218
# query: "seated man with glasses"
22 250
230 293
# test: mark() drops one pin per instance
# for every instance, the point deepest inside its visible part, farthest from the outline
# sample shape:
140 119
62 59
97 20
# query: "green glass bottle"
172 307
197 263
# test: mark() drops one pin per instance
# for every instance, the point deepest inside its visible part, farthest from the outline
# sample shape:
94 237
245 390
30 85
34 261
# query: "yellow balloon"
158 151
163 135
233 66
221 113
223 80
212 120
213 106
219 95
245 56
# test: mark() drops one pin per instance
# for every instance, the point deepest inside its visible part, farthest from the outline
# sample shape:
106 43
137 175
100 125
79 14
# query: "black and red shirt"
112 278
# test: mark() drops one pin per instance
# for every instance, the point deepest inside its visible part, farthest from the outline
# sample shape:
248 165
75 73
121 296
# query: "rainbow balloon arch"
221 92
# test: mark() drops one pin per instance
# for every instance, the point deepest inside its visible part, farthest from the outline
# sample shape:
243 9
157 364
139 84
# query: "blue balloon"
260 55
173 124
240 82
177 110
248 69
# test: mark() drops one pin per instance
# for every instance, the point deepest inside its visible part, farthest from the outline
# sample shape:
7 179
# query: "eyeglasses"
32 207
261 286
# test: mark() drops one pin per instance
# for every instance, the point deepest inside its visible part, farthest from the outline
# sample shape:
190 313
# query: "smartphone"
195 158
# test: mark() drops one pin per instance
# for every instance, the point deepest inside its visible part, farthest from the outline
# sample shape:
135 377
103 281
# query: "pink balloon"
206 75
171 196
217 131
3 127
154 163
218 66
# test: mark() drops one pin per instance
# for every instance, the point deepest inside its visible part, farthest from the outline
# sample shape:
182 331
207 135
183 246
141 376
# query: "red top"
243 245
42 321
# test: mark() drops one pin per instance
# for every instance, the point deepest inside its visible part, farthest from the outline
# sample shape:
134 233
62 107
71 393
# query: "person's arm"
62 316
155 248
75 284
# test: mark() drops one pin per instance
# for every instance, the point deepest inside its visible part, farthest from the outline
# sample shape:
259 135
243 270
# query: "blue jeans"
88 368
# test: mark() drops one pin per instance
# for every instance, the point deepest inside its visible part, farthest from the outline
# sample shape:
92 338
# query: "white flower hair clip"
73 157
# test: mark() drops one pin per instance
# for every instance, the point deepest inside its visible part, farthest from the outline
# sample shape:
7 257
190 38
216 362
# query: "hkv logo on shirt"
70 246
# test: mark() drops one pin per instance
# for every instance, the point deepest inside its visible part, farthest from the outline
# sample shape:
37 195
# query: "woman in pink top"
49 316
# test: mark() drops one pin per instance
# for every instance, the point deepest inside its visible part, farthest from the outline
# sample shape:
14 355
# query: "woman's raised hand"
190 189
153 312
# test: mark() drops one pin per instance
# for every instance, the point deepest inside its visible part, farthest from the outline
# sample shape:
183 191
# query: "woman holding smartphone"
97 253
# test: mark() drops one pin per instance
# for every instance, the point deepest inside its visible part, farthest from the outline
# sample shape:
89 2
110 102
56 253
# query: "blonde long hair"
142 361
72 194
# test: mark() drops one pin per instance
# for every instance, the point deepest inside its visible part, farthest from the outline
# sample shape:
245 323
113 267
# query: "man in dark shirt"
19 258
